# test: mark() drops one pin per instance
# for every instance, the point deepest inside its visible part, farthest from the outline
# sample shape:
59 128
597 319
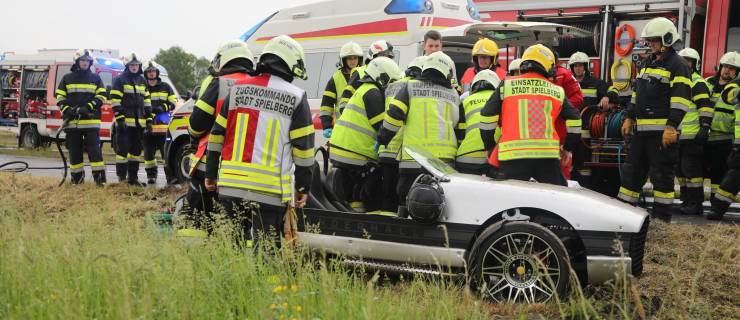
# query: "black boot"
661 212
715 214
77 177
99 177
692 208
121 170
403 212
133 174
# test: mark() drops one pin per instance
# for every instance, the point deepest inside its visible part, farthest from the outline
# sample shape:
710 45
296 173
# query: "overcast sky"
132 25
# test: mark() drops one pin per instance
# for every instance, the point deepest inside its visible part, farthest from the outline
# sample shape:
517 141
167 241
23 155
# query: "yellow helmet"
485 47
540 55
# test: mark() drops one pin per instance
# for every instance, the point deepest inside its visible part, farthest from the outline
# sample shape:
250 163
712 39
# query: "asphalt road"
732 217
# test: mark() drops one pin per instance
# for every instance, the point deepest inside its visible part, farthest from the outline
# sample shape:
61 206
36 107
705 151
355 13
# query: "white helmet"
230 50
417 62
380 47
131 58
384 71
514 65
441 62
661 28
350 49
731 59
488 76
82 54
290 51
689 53
578 57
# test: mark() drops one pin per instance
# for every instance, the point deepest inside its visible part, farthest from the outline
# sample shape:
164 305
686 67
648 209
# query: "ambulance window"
331 59
61 71
313 67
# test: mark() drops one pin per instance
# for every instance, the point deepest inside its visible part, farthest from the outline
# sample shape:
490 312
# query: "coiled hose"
24 166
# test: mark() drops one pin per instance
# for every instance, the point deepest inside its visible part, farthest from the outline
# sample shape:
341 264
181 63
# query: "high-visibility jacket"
731 96
662 94
471 149
330 101
700 110
527 107
130 100
429 113
81 88
262 130
354 137
724 113
163 100
206 109
467 80
352 84
389 153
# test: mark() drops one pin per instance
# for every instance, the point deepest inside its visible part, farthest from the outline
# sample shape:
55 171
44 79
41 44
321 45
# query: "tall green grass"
83 252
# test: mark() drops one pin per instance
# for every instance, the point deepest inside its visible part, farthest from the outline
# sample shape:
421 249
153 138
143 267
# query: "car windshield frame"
438 168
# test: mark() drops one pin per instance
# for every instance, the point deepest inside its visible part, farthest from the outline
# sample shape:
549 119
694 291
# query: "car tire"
181 163
519 262
30 137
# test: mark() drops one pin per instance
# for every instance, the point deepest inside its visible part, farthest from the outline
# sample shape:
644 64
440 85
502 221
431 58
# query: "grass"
83 252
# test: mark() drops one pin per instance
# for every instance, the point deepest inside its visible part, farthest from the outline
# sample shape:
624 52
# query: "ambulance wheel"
30 137
181 163
519 262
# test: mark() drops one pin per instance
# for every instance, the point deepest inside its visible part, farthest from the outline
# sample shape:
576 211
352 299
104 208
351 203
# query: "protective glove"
670 136
69 113
84 112
604 103
703 134
627 127
327 133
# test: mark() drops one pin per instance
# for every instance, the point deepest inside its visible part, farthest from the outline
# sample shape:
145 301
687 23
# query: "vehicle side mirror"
189 95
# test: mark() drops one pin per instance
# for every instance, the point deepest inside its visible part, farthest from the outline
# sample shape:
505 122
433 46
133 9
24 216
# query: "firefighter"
730 185
661 98
485 57
533 150
719 144
380 48
428 110
233 62
693 135
163 101
353 147
594 93
471 155
350 57
262 130
388 155
514 67
80 95
132 108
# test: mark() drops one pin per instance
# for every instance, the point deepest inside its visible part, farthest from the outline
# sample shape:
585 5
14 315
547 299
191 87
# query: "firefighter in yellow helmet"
428 110
693 136
163 101
350 57
132 107
661 98
719 145
261 148
80 96
485 57
233 62
353 145
471 154
530 149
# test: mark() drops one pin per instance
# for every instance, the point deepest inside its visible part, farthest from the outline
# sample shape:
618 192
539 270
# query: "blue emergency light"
110 63
256 27
410 6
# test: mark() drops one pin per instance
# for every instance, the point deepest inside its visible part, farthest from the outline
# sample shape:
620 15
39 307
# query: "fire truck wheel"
30 137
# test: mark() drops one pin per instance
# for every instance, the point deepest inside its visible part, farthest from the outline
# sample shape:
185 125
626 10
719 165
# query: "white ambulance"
323 27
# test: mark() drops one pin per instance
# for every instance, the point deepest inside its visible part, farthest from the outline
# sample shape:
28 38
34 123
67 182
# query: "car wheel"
519 262
30 137
181 163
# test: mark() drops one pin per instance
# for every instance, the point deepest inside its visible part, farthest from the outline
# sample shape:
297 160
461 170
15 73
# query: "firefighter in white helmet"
719 144
661 99
693 136
354 146
428 129
514 67
80 95
261 147
380 48
233 62
350 57
133 109
471 155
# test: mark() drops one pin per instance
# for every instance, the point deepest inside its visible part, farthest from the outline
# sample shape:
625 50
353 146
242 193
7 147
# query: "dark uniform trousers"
690 168
78 141
263 221
646 151
715 161
542 170
729 186
152 143
129 153
200 202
